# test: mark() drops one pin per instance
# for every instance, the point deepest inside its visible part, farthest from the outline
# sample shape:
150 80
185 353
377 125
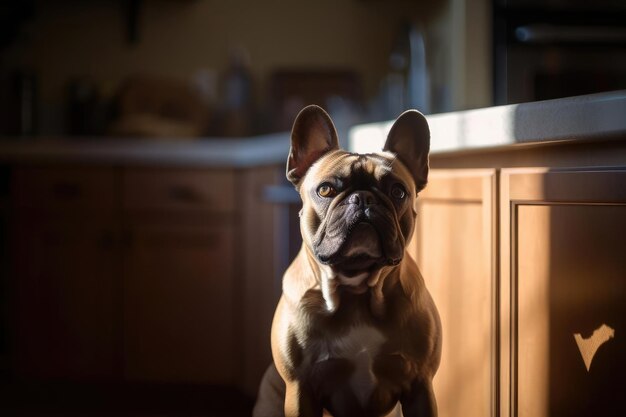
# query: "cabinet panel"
257 265
65 291
179 306
177 189
454 246
65 188
563 291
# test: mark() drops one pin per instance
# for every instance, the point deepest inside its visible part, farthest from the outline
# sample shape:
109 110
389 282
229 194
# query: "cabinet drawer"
52 188
179 189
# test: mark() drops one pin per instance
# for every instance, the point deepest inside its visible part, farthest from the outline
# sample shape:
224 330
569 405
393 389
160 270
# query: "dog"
355 333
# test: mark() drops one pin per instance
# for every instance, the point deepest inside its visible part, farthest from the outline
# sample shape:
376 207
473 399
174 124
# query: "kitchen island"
521 237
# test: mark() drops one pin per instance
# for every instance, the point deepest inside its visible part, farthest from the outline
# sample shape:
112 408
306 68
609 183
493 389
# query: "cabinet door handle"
207 241
184 194
181 239
67 190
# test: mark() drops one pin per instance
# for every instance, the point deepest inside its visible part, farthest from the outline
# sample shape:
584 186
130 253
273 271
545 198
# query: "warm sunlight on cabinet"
563 287
454 246
530 289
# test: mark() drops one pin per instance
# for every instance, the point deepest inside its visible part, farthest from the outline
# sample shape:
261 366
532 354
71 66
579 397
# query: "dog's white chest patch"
360 345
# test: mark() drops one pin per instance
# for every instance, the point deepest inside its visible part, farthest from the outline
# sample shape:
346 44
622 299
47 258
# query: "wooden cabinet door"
258 254
454 246
66 270
563 284
179 305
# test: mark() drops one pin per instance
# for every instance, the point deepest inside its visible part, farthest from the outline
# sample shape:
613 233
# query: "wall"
181 38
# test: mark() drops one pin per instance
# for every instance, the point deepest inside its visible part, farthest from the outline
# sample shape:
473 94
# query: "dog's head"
357 213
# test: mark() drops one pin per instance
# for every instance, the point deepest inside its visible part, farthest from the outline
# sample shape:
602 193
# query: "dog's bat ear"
313 134
409 140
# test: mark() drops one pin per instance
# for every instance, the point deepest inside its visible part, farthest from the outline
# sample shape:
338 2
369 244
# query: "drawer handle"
184 194
67 190
178 240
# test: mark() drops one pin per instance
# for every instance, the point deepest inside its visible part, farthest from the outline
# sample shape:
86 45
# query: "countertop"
590 117
201 152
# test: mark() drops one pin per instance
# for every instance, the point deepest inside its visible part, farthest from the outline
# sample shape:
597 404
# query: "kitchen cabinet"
63 252
454 246
520 236
142 274
527 268
5 180
563 286
179 301
180 315
261 265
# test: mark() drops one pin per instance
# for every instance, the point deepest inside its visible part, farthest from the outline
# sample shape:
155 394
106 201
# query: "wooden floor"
109 400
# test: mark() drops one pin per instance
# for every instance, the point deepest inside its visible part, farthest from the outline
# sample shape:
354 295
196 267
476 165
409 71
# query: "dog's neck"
330 283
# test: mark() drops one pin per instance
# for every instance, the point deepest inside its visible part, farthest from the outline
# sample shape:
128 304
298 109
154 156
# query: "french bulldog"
355 333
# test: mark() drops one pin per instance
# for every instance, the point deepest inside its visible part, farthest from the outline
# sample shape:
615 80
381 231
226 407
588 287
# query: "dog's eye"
326 190
398 192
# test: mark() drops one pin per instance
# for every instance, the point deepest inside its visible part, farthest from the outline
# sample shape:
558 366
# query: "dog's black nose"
362 198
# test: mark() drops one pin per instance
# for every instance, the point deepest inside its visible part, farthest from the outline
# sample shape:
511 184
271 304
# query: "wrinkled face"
357 211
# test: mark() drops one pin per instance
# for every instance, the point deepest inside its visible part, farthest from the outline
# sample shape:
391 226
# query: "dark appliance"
545 49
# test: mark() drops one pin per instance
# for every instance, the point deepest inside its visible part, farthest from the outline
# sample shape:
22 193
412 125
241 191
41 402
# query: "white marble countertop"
589 117
201 152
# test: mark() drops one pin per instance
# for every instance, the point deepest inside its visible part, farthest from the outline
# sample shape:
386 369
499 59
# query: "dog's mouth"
359 241
355 265
361 252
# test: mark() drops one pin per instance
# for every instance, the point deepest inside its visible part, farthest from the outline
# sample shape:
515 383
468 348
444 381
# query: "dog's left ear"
409 139
313 134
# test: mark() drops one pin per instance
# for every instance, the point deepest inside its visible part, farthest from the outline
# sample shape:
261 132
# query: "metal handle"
542 33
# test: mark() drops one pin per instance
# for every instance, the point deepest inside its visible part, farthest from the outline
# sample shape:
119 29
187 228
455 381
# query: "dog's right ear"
313 134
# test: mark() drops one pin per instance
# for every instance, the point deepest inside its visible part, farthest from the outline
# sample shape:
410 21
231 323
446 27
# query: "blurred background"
144 219
236 68
209 68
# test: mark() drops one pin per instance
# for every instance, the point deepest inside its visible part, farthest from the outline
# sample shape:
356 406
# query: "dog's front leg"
420 400
299 402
